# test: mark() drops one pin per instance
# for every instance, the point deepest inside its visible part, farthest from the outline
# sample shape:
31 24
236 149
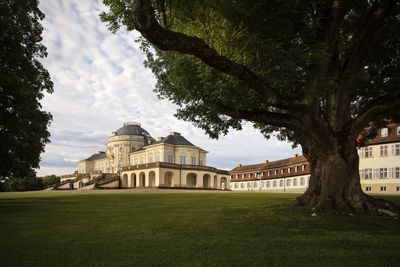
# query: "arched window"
281 183
288 182
268 184
295 182
274 184
302 181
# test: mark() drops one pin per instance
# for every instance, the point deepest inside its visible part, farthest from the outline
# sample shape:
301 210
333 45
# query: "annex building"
379 169
134 159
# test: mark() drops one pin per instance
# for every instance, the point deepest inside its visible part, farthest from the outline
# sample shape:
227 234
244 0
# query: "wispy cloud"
100 81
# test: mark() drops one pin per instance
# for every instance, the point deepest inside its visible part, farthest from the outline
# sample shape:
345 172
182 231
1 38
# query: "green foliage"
26 183
50 180
287 44
23 81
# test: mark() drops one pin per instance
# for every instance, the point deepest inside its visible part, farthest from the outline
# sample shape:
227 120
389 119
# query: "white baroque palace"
379 169
134 159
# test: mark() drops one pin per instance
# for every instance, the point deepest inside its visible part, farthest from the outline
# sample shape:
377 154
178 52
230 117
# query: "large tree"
318 72
23 80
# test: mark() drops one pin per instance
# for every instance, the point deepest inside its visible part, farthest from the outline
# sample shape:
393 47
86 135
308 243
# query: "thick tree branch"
374 109
265 117
145 22
337 11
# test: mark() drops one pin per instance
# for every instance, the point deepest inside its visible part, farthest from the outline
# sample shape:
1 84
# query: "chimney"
239 165
266 161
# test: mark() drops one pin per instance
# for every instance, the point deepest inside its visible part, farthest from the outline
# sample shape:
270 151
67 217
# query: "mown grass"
185 229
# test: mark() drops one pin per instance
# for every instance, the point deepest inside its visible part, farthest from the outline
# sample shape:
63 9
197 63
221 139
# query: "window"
396 149
262 184
302 181
384 132
368 152
397 188
296 168
383 151
398 130
383 188
236 185
368 174
255 184
274 183
242 185
281 183
397 172
288 170
276 172
200 162
269 173
303 167
383 173
182 160
368 189
268 184
282 171
157 157
242 176
288 182
150 158
193 160
295 182
248 185
170 158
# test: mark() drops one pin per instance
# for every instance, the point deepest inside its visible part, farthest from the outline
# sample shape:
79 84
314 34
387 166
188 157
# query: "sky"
100 82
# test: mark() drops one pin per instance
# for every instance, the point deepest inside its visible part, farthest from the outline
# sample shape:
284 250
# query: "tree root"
359 203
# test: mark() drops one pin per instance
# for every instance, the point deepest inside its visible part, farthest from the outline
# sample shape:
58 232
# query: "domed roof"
132 128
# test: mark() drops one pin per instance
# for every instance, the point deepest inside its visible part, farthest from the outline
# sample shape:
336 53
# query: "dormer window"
384 132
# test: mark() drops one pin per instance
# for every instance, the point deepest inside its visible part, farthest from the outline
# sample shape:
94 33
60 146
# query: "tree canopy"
318 72
23 80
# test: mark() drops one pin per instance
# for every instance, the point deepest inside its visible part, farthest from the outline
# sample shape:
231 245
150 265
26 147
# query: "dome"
132 128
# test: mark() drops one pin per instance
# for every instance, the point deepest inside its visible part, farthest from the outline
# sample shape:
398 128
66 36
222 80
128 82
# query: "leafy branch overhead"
285 56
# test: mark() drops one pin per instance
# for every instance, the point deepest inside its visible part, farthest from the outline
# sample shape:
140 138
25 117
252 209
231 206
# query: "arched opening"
124 181
191 180
168 179
223 183
152 179
206 181
80 184
133 180
142 179
215 181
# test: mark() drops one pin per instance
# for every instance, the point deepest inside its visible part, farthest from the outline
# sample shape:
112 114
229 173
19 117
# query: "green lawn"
185 229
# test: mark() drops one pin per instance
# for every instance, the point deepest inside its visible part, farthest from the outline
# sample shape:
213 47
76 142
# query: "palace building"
134 159
379 169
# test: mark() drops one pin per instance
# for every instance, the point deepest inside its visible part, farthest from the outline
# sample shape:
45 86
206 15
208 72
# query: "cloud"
100 82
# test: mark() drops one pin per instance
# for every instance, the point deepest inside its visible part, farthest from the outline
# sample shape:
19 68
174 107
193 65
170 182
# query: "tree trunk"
335 183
